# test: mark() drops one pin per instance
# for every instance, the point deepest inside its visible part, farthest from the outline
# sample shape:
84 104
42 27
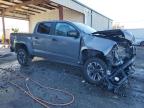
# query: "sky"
126 12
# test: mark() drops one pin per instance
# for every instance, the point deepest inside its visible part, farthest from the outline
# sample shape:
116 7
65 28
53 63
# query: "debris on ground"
5 80
83 81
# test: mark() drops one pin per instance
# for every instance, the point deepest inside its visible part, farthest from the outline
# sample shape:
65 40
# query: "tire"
23 57
94 70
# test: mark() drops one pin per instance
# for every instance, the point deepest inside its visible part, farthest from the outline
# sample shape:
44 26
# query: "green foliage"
15 30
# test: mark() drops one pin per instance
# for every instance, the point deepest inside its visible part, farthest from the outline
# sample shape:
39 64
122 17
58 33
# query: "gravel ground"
68 78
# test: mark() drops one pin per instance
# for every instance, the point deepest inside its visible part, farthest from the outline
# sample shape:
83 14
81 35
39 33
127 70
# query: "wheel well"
18 46
86 54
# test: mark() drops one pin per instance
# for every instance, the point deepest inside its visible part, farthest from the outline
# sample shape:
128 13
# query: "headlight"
113 56
122 52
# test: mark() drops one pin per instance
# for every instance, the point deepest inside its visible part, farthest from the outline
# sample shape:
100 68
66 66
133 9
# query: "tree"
15 30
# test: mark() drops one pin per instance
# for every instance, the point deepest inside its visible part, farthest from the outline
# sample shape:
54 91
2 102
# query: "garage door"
72 15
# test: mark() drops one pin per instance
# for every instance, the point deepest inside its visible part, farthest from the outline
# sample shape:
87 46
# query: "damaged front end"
120 59
121 65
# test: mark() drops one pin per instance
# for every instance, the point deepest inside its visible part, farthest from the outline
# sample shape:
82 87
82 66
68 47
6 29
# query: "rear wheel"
23 57
94 70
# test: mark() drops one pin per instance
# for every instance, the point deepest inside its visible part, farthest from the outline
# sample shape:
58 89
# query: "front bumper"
119 76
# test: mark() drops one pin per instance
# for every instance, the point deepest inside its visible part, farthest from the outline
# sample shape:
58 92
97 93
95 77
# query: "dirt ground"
68 78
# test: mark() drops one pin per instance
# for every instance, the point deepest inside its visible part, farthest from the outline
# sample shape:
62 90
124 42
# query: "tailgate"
18 37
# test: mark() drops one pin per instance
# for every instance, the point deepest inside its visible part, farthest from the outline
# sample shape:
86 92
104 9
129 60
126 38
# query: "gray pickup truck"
106 57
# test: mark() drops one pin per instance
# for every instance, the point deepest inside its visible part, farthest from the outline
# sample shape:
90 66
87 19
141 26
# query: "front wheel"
94 70
23 57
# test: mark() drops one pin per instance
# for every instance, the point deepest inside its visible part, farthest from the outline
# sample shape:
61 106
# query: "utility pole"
3 25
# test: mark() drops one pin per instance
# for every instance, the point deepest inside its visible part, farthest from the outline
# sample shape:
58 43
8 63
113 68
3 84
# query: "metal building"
74 11
40 10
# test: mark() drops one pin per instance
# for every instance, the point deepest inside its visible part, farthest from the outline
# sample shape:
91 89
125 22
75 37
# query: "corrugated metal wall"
74 12
69 14
92 18
72 15
100 22
45 16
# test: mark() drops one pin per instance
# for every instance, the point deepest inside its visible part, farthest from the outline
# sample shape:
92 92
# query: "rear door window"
44 28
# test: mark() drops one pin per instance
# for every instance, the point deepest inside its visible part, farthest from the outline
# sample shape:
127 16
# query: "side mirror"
73 34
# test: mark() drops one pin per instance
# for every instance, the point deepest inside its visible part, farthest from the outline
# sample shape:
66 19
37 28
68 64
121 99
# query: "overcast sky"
128 12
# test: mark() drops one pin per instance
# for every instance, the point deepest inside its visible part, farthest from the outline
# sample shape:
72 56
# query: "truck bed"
24 37
21 34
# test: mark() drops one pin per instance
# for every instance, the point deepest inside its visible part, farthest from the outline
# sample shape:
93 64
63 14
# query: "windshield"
85 28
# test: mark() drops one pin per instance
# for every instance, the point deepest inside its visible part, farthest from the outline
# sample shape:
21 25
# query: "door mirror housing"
73 34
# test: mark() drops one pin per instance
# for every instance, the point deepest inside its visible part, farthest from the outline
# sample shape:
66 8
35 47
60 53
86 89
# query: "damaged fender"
98 44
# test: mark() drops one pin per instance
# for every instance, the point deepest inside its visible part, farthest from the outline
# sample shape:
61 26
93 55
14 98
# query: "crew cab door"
65 47
42 39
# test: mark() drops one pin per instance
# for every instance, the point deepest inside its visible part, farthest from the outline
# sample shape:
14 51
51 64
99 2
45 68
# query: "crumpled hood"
117 33
100 44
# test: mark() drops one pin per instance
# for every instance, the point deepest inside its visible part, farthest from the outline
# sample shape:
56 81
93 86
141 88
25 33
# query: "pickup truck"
106 57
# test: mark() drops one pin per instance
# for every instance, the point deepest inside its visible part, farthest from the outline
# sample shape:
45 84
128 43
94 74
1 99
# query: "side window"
63 28
44 28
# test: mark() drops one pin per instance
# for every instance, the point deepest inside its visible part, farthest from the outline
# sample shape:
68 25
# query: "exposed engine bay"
120 59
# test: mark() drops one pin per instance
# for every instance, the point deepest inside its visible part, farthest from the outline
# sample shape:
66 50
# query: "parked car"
142 43
139 42
106 57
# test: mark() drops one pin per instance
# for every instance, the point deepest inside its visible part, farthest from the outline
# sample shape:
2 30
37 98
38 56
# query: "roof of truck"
56 21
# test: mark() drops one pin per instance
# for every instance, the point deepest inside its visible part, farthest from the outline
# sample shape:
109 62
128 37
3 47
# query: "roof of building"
31 7
24 8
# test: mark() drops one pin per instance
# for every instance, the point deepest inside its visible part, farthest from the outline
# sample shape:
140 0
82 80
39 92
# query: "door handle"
36 37
53 39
